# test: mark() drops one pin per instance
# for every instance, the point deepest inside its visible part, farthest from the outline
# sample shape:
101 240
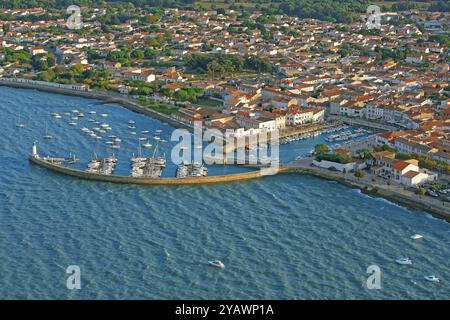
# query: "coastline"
106 97
411 201
391 193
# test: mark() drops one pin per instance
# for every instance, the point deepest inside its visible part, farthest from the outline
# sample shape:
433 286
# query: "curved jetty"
36 159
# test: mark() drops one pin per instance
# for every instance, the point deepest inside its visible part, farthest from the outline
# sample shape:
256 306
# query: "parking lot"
438 189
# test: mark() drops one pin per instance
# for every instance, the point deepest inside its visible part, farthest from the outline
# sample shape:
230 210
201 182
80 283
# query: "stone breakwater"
151 181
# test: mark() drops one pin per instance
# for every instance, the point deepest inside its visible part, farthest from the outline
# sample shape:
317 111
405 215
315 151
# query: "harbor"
131 214
347 135
193 169
146 180
103 166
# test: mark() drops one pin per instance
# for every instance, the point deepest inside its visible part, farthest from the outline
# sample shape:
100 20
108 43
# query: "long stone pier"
256 174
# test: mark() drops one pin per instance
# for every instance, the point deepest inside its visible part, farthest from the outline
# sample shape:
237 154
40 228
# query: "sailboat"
20 124
47 135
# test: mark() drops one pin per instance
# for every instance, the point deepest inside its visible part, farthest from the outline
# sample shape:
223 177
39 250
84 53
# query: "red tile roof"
400 165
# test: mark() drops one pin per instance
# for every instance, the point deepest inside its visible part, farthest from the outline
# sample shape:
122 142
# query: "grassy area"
206 102
166 109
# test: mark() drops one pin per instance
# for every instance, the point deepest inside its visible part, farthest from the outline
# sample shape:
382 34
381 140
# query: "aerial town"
255 72
259 150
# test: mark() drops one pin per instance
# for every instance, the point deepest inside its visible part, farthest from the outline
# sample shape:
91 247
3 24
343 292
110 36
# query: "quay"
372 125
309 129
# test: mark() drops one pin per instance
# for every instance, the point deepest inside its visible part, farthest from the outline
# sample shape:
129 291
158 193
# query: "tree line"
222 64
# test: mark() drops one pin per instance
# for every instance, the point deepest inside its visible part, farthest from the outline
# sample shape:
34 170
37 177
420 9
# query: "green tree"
321 148
359 173
421 191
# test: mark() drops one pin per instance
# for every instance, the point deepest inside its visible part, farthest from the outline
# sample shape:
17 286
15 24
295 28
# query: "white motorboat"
92 112
216 264
75 111
47 135
416 236
133 132
145 131
20 124
432 278
72 123
404 261
131 122
147 145
104 115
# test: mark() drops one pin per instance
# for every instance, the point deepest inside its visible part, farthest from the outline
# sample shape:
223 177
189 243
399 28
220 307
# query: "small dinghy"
404 261
417 236
216 264
432 278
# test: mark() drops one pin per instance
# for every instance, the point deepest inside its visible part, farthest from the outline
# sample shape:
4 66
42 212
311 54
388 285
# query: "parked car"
432 193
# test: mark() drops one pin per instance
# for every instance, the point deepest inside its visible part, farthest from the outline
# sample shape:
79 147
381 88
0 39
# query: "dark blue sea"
280 237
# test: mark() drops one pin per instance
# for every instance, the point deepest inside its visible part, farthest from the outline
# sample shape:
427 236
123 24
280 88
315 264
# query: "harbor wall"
150 181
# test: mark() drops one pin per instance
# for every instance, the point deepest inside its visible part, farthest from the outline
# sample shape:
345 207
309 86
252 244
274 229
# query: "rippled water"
281 237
